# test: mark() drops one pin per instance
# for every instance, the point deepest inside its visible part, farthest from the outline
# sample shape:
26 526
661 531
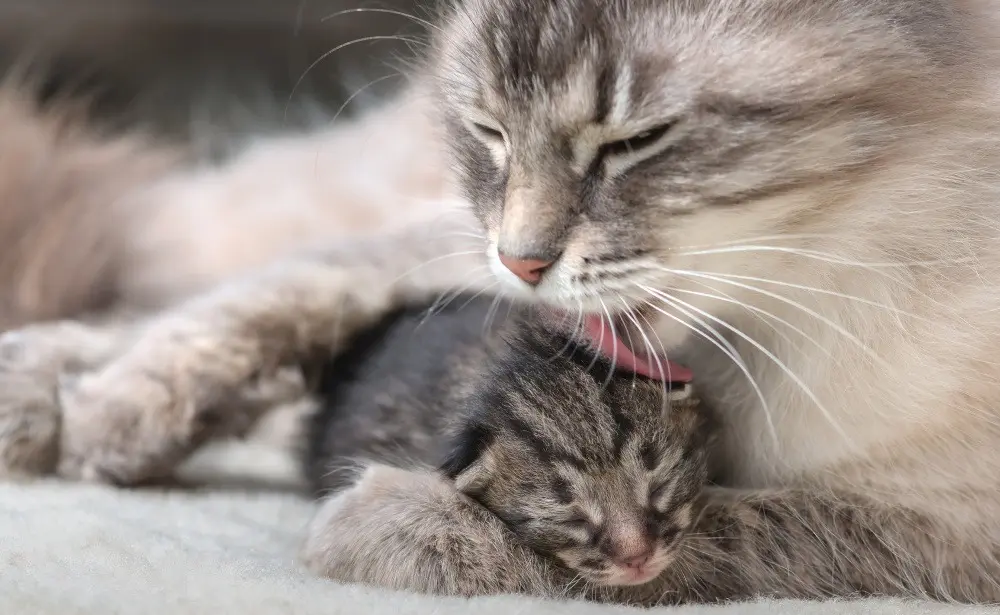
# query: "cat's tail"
65 190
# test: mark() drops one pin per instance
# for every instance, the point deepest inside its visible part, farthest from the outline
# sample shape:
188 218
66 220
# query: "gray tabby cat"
798 198
595 467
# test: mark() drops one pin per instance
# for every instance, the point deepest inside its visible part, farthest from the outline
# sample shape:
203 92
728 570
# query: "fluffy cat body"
816 182
66 190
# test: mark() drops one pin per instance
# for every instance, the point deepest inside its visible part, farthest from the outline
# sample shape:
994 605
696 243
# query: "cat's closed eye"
637 142
486 132
657 492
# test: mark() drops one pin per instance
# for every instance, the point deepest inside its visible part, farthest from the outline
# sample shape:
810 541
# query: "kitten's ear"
467 446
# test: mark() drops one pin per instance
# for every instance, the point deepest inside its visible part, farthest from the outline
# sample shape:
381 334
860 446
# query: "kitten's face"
615 140
617 524
601 478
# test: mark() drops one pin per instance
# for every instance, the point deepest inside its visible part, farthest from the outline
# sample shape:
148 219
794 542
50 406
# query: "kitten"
597 468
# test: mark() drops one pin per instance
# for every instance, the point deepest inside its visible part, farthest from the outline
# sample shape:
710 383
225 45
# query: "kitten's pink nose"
529 270
635 561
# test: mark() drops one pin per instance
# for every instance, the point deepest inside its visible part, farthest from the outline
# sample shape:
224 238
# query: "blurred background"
212 72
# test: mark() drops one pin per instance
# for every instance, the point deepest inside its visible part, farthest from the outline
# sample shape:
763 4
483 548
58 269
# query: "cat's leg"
36 364
412 530
40 366
148 409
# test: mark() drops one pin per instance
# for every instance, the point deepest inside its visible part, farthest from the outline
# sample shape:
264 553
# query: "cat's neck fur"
920 302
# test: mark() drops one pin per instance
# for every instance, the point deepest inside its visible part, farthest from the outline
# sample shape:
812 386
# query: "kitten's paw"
412 530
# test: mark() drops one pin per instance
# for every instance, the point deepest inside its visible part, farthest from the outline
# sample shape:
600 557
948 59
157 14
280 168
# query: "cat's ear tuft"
467 446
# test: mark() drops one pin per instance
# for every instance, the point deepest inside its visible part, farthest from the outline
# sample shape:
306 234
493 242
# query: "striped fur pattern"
596 469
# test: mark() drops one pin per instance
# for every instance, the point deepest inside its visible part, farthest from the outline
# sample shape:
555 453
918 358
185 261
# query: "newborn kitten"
595 468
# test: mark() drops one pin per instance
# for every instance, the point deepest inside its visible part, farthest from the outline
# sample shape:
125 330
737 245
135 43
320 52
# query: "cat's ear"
467 445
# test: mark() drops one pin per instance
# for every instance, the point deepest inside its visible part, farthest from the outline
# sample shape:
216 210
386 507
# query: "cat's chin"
623 577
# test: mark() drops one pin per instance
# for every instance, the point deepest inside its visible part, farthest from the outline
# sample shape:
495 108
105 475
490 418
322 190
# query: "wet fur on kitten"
596 469
867 193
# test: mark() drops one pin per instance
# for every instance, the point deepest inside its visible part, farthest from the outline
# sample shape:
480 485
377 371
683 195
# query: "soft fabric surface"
69 549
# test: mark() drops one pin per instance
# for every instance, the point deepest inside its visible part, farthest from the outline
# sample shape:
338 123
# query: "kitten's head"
604 142
595 469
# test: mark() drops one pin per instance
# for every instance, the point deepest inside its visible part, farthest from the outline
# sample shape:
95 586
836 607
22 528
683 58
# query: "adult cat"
799 196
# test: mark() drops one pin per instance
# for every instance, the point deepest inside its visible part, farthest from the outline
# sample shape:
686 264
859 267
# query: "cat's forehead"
574 59
564 58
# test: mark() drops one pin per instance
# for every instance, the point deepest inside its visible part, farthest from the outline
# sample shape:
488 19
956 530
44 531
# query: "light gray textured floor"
74 549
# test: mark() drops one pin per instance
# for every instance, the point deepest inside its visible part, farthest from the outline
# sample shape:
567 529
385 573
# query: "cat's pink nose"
636 561
529 270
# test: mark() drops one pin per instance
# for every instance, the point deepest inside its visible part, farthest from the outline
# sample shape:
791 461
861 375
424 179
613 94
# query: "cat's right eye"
580 523
491 136
637 142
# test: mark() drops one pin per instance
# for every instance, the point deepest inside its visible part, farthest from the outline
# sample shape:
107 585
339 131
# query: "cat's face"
595 471
613 146
617 524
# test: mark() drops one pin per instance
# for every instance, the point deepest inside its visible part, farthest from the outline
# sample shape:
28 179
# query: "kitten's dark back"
391 393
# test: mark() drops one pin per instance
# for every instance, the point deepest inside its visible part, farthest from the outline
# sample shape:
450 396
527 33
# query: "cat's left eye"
658 491
488 133
637 142
579 522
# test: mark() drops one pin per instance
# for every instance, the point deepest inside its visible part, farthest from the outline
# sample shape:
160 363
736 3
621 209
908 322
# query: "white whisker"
491 313
329 53
445 298
597 351
836 327
770 355
434 260
812 289
823 256
483 291
719 342
788 237
572 336
413 18
348 101
652 353
728 299
614 342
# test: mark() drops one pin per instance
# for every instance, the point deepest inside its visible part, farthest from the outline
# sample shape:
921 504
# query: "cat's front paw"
32 361
412 530
122 428
29 423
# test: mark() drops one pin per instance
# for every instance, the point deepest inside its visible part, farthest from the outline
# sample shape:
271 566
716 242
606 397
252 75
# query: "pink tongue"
612 347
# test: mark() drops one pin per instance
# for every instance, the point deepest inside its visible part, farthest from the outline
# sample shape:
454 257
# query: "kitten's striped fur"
596 469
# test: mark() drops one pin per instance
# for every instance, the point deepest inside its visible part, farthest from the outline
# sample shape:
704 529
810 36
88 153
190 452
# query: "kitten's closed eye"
657 492
579 522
